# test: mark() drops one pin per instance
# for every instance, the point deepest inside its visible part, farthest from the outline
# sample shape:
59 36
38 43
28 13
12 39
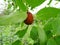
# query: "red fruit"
29 19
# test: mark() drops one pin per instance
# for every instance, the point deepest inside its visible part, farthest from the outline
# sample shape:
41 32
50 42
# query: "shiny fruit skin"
29 19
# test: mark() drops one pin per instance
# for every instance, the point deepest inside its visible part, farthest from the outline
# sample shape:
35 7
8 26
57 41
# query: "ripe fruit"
29 19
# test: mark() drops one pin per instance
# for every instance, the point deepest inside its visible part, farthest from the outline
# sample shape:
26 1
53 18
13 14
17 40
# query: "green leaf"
20 4
15 17
37 43
48 28
30 41
57 0
56 26
34 33
17 42
47 13
49 34
34 3
9 6
57 39
21 33
42 34
54 41
51 41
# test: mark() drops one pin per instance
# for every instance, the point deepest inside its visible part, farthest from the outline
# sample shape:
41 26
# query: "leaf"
34 33
21 33
54 41
30 41
57 0
17 42
47 13
49 2
56 26
49 34
20 4
42 34
51 41
9 6
48 25
53 26
57 39
37 43
34 3
15 17
48 28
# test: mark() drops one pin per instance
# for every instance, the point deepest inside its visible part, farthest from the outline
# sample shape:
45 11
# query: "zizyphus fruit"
29 20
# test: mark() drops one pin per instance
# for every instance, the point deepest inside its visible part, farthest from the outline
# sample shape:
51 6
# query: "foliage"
45 29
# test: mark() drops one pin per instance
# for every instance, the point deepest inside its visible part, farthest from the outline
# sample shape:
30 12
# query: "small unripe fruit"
29 19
